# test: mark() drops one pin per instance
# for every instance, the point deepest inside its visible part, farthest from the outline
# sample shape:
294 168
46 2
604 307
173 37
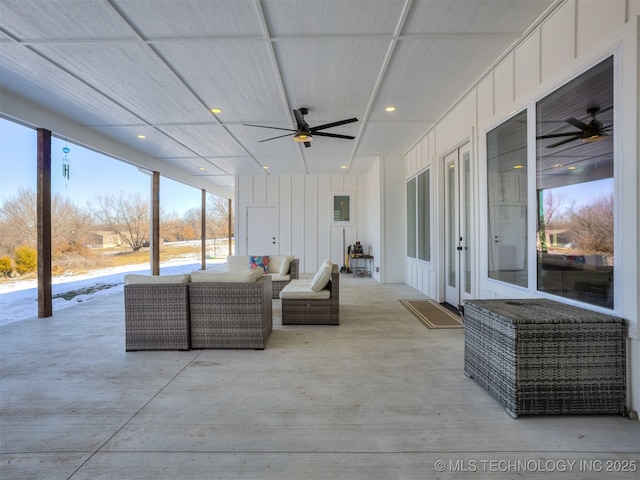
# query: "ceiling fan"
304 133
589 132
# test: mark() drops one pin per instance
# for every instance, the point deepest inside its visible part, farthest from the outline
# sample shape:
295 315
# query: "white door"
458 248
262 230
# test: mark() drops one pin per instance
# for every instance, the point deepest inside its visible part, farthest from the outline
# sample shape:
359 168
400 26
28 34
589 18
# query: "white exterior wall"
578 35
304 211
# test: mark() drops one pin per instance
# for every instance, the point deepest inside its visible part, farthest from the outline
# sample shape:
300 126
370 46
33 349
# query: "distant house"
104 239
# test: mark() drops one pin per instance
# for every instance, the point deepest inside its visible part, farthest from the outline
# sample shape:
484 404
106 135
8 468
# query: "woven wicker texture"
277 286
542 357
315 312
231 315
157 317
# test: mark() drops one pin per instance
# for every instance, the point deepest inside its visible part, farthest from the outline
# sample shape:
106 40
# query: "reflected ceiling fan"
588 132
304 133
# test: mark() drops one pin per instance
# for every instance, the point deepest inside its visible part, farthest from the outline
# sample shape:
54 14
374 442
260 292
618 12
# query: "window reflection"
507 174
574 180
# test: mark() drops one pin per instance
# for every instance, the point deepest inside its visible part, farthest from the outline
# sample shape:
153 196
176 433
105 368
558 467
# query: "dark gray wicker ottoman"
540 357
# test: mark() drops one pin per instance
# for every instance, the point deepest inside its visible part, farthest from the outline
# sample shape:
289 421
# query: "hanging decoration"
66 172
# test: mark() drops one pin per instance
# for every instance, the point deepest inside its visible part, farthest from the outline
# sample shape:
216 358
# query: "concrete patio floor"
378 397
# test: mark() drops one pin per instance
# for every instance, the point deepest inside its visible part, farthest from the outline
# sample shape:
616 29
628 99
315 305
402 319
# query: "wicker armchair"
311 311
156 314
230 314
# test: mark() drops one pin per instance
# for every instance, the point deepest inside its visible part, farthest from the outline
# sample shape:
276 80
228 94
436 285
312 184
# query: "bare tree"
592 226
556 208
217 219
18 220
126 215
70 224
193 219
170 225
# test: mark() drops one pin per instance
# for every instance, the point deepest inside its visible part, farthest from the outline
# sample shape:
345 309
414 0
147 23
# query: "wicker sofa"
156 312
229 312
301 305
281 268
200 310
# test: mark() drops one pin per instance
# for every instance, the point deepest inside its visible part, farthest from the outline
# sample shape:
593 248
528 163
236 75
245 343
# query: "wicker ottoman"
539 357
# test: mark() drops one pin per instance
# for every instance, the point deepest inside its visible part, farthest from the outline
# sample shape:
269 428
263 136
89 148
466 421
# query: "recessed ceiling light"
142 136
265 167
216 110
343 166
571 167
202 168
518 167
390 109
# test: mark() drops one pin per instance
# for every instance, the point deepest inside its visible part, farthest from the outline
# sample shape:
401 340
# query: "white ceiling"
156 67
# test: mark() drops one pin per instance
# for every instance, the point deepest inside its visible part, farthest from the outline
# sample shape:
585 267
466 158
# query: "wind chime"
65 165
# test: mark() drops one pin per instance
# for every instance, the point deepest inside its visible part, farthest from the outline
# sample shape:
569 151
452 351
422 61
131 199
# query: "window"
574 181
341 208
424 217
419 217
507 192
411 218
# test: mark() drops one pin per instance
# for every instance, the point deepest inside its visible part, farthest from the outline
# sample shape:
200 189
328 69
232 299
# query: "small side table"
360 271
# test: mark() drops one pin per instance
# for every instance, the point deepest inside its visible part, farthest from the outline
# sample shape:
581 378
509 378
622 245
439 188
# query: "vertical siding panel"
310 223
260 189
558 41
297 220
526 67
284 212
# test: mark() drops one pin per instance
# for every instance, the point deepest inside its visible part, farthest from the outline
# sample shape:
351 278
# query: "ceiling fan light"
302 137
594 138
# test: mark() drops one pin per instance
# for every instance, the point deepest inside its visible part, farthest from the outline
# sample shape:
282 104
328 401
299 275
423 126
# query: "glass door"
458 274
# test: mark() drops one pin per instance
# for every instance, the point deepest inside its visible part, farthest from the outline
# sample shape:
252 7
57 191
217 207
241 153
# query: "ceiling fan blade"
272 128
273 138
556 135
334 124
565 141
332 135
578 124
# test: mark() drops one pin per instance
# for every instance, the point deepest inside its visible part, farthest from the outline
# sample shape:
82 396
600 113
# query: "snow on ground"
19 298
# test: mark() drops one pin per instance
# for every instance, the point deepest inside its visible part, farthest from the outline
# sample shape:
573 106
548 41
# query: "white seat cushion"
302 291
279 278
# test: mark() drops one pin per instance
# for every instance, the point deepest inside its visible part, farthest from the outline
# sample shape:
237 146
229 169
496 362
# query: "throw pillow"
261 261
321 278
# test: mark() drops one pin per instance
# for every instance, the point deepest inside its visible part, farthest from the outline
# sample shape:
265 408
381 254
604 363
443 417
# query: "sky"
91 173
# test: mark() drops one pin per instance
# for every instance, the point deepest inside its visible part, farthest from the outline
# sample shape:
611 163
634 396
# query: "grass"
166 253
98 259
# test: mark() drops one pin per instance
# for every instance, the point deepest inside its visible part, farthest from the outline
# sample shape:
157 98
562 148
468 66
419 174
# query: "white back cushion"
249 276
134 279
322 276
